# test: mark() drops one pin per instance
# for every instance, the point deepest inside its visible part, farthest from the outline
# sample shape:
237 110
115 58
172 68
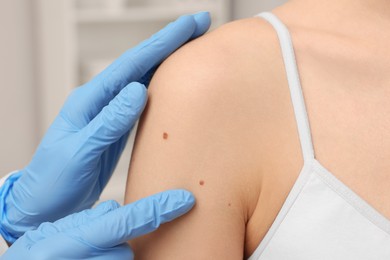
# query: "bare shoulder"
205 129
228 83
230 52
233 69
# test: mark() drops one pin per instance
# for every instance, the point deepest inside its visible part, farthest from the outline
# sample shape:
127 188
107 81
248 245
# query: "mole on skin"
201 182
165 135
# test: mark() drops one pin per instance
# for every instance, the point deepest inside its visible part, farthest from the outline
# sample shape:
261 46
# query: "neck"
354 16
352 8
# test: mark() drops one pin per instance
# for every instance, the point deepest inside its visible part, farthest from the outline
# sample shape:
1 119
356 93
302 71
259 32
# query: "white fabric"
3 244
321 218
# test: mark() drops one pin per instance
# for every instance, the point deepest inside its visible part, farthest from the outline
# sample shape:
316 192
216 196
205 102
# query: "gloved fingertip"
136 95
203 22
187 25
137 91
187 197
202 17
175 203
125 109
115 120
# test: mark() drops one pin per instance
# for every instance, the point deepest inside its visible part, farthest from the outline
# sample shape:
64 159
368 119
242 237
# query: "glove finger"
114 121
86 216
63 246
203 22
111 156
48 229
87 101
136 219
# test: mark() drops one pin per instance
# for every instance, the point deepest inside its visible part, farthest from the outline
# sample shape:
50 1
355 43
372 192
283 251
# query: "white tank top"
321 218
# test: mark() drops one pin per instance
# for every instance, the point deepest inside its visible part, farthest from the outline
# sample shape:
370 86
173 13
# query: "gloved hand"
100 233
80 150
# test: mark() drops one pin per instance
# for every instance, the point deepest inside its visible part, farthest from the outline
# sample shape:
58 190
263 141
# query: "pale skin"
231 135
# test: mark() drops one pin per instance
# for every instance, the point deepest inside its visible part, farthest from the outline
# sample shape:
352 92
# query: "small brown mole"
201 182
229 204
165 135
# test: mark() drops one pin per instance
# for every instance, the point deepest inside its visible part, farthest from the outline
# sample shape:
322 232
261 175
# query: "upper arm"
198 132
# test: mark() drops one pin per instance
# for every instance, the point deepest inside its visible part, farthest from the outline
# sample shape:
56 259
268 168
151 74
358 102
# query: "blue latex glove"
80 150
100 233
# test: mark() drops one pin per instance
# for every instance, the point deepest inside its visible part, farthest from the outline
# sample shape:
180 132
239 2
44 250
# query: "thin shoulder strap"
294 84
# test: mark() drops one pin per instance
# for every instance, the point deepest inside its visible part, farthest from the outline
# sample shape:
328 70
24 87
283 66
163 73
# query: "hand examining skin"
100 233
80 150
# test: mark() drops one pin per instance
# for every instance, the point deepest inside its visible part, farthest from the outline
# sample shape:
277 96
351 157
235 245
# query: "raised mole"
165 135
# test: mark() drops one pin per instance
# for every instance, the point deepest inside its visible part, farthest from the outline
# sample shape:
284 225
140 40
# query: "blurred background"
49 47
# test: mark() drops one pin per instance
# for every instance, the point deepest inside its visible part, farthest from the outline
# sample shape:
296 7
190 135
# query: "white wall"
247 8
18 98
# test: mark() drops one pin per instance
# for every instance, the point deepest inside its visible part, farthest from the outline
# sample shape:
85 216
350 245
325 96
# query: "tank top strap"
294 84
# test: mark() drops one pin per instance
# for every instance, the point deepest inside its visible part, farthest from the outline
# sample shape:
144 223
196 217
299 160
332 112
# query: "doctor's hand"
100 233
80 150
